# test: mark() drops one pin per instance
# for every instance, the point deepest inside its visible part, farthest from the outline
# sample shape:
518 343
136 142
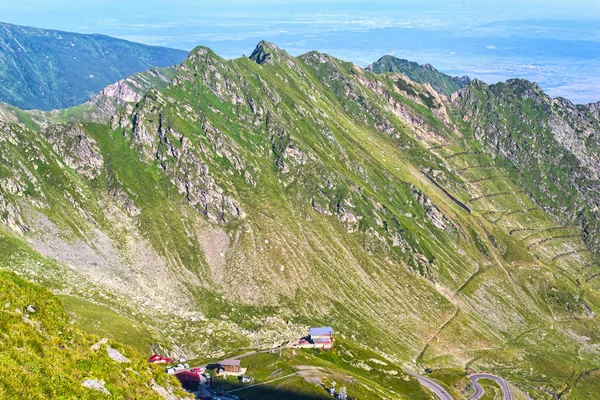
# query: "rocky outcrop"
162 392
95 385
78 150
115 355
264 53
595 109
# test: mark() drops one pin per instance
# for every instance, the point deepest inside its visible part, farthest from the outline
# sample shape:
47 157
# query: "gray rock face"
187 168
116 355
112 353
265 53
78 150
595 109
121 92
93 384
576 144
164 393
98 345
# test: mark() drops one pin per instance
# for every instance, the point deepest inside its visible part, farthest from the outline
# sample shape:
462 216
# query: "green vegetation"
101 321
41 356
244 201
46 69
310 372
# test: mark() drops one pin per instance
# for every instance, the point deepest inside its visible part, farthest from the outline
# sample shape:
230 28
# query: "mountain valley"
220 206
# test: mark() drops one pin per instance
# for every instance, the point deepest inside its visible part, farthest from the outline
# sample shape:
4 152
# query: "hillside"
100 108
553 140
251 198
46 69
441 83
41 356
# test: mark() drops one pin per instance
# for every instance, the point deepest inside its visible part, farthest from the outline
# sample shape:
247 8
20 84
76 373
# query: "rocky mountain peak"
595 109
440 82
200 54
266 53
477 83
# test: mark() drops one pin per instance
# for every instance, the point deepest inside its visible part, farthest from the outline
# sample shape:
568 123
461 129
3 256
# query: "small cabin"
323 343
230 365
321 338
322 332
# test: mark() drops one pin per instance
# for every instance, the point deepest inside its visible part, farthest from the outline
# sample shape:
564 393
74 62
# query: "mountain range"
439 224
47 69
440 82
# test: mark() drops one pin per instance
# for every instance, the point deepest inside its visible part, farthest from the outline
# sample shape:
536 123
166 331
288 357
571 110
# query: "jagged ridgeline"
425 74
247 199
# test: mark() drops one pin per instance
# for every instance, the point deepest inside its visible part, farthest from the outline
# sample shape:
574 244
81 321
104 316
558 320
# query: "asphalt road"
439 391
506 393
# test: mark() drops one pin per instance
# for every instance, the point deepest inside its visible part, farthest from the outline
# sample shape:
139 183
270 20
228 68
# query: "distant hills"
426 73
47 69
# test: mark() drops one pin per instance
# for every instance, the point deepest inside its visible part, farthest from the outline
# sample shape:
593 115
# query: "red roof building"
158 359
189 380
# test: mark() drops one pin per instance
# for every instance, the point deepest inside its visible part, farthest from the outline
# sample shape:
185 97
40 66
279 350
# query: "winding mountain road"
442 394
438 390
506 393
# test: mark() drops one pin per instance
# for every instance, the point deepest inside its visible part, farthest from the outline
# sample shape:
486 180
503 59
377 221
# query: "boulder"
116 356
93 384
97 346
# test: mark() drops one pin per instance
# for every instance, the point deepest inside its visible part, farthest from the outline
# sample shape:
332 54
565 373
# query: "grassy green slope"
42 356
268 197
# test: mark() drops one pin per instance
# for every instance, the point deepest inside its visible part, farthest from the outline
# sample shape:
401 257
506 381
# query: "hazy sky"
554 42
217 16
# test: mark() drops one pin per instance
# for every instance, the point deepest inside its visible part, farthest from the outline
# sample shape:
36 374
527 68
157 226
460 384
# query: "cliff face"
250 198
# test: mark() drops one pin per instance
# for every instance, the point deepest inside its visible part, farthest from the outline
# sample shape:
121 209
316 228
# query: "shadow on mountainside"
296 389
